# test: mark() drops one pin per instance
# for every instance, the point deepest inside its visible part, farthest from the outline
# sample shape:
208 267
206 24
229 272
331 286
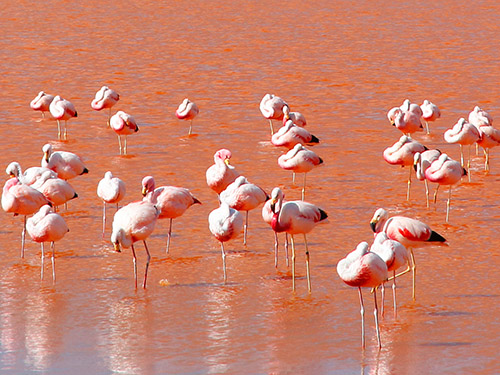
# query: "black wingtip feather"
436 237
324 215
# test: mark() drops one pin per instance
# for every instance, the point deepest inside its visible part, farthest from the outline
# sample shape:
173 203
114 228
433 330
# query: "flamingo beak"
46 156
226 161
116 245
373 224
144 192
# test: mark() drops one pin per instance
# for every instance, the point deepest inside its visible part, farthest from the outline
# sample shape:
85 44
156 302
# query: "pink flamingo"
243 196
221 174
30 175
187 110
362 268
408 122
407 231
66 164
402 153
299 160
422 161
296 117
445 171
463 133
56 190
478 117
271 107
296 217
47 226
111 190
172 201
21 199
267 216
105 98
290 134
123 124
394 255
42 102
225 223
489 138
131 223
430 112
62 109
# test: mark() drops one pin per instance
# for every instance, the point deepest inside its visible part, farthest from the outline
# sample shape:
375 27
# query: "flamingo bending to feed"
271 107
62 109
171 201
290 134
267 216
30 175
105 98
123 124
243 196
21 199
225 223
295 217
299 160
421 162
187 110
221 174
111 190
42 102
131 223
66 164
362 268
296 117
463 133
402 153
407 231
56 190
430 112
47 226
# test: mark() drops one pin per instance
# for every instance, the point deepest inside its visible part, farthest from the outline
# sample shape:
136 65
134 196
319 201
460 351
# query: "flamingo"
407 231
30 175
296 217
463 133
66 164
47 226
271 107
296 117
430 112
421 162
21 199
299 160
111 190
42 102
123 124
445 171
221 174
171 201
290 134
478 117
408 122
243 196
62 109
225 223
362 268
394 255
267 215
131 223
56 190
408 106
187 110
489 138
402 153
105 98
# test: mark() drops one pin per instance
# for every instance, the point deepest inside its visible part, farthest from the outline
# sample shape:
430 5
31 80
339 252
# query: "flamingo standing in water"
267 216
402 153
489 137
30 175
111 190
187 110
295 217
56 190
290 134
394 255
21 199
105 98
172 201
123 124
243 196
47 226
430 112
300 160
66 164
62 109
422 161
479 117
42 102
362 268
296 117
463 133
221 174
225 223
271 107
407 231
131 223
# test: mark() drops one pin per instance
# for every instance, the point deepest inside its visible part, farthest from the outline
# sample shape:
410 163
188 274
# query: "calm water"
341 64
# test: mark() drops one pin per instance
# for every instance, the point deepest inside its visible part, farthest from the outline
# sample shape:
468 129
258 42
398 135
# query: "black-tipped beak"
273 205
373 224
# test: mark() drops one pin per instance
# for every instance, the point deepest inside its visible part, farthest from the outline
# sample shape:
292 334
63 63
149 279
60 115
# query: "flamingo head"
148 185
380 216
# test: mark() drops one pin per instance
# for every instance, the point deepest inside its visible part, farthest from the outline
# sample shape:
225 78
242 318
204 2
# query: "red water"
343 65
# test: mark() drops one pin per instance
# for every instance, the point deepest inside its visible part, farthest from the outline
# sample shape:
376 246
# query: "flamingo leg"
147 265
135 265
223 261
169 235
286 249
308 271
245 229
362 318
190 128
271 125
461 155
409 184
125 147
427 127
65 129
109 117
23 237
276 249
304 187
120 144
436 193
448 203
394 294
426 192
43 257
103 218
382 292
58 130
53 259
293 178
414 272
487 162
293 262
375 312
468 165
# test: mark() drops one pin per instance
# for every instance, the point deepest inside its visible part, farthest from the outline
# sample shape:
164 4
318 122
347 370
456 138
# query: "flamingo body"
67 165
463 133
42 102
56 190
221 174
290 134
123 125
104 98
30 175
187 110
403 151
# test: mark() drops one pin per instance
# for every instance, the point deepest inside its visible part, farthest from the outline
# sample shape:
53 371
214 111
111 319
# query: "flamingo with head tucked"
123 124
62 110
42 102
430 112
222 173
66 164
463 133
111 190
271 107
296 117
105 98
56 190
187 110
489 137
290 134
421 162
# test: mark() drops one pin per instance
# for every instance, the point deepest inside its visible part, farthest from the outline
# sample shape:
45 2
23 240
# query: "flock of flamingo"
41 190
